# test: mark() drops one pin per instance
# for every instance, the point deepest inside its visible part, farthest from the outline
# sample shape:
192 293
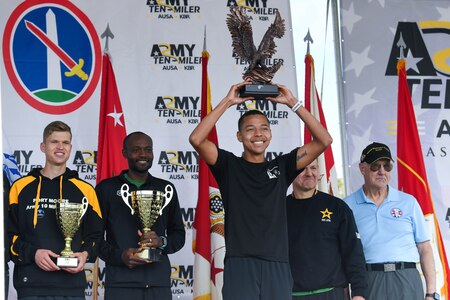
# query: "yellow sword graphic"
75 69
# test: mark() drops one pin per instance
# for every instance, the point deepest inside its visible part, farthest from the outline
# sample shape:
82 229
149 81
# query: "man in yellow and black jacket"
36 239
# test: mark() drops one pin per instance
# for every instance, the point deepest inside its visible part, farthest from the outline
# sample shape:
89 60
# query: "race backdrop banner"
373 34
51 66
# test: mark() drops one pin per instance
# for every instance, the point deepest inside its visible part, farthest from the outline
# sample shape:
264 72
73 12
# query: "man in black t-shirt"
253 191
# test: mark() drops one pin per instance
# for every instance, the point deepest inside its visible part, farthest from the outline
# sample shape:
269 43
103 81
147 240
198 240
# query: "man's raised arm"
199 137
321 138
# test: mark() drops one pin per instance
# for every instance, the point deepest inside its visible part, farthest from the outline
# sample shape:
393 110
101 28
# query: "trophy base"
152 254
67 262
259 91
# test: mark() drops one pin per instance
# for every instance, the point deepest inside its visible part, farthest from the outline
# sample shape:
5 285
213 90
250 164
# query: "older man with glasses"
393 232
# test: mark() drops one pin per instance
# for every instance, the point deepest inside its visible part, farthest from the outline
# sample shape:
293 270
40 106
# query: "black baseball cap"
374 152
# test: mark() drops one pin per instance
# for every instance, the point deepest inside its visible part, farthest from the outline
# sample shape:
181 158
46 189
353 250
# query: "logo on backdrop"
179 164
89 271
428 67
257 9
183 165
182 279
85 163
61 66
269 108
178 109
173 9
175 57
188 217
23 159
271 155
408 38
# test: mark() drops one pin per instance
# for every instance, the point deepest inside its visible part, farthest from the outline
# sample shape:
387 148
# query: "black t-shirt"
254 196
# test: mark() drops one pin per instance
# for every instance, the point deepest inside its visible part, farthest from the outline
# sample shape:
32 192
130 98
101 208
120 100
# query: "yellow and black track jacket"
33 225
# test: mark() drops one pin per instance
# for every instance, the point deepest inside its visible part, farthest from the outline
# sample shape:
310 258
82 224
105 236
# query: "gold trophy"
68 216
147 206
243 46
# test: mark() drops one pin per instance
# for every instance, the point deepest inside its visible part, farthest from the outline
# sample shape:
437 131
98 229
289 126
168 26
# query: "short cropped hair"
56 126
250 113
127 138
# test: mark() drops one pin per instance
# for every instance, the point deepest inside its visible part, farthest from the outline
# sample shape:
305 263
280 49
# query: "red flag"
328 183
412 176
208 242
111 127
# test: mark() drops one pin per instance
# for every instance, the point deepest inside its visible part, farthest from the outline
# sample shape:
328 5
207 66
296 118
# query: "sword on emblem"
75 69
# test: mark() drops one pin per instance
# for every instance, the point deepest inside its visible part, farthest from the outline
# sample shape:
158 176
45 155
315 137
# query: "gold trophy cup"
69 216
147 206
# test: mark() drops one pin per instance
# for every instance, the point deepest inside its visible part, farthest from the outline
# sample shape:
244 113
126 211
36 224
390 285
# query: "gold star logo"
326 214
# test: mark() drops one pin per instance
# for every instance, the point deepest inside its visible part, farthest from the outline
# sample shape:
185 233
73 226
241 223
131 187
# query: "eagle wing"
241 33
267 47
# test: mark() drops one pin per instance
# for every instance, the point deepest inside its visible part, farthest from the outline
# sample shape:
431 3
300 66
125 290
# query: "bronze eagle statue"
242 41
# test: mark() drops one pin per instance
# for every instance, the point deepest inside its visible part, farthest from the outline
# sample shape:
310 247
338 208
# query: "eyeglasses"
376 166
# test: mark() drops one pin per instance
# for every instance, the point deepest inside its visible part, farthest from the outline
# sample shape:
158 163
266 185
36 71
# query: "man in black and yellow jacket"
36 239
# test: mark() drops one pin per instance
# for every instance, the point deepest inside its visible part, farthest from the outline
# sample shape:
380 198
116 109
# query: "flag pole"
327 168
106 34
341 96
208 228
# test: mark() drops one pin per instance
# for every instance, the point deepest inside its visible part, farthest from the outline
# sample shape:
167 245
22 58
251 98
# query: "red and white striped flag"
412 175
328 183
208 242
112 131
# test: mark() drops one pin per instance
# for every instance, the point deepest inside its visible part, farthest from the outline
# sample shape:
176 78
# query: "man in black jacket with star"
325 252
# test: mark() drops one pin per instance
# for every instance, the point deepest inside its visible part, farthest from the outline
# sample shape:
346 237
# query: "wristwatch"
433 295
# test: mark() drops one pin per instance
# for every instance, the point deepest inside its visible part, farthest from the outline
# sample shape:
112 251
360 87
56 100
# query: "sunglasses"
376 166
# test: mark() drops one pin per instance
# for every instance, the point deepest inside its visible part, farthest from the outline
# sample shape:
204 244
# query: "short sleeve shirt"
254 197
390 232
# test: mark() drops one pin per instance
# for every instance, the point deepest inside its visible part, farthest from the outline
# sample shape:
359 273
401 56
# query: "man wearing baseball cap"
393 232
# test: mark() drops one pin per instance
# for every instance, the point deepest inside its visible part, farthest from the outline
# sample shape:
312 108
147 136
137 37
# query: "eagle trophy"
242 41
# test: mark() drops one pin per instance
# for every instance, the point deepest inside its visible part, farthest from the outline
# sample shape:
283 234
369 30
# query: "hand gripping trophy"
242 41
69 216
147 206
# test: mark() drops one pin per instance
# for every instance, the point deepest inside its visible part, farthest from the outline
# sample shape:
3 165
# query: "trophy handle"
125 193
167 196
